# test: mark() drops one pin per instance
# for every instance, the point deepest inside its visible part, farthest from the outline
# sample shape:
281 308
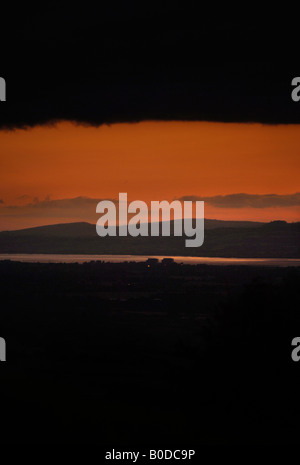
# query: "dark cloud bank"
249 200
125 64
84 204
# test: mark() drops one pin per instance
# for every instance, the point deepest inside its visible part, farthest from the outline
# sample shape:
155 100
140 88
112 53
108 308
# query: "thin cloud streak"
248 200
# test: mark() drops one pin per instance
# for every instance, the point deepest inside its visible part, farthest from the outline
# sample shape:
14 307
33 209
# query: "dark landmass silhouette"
139 353
240 239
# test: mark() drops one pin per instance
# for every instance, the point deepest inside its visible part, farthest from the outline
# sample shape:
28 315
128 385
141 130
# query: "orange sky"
150 161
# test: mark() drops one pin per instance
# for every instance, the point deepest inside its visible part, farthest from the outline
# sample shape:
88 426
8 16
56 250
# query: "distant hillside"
240 239
88 229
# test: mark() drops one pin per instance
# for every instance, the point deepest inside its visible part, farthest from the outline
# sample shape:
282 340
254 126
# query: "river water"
61 258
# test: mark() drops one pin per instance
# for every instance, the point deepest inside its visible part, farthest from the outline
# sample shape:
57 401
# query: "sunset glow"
149 161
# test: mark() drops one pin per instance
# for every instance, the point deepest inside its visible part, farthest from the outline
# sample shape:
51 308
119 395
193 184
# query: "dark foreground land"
148 354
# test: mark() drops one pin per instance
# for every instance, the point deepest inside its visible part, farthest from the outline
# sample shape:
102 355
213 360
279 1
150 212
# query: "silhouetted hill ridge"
277 239
89 229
